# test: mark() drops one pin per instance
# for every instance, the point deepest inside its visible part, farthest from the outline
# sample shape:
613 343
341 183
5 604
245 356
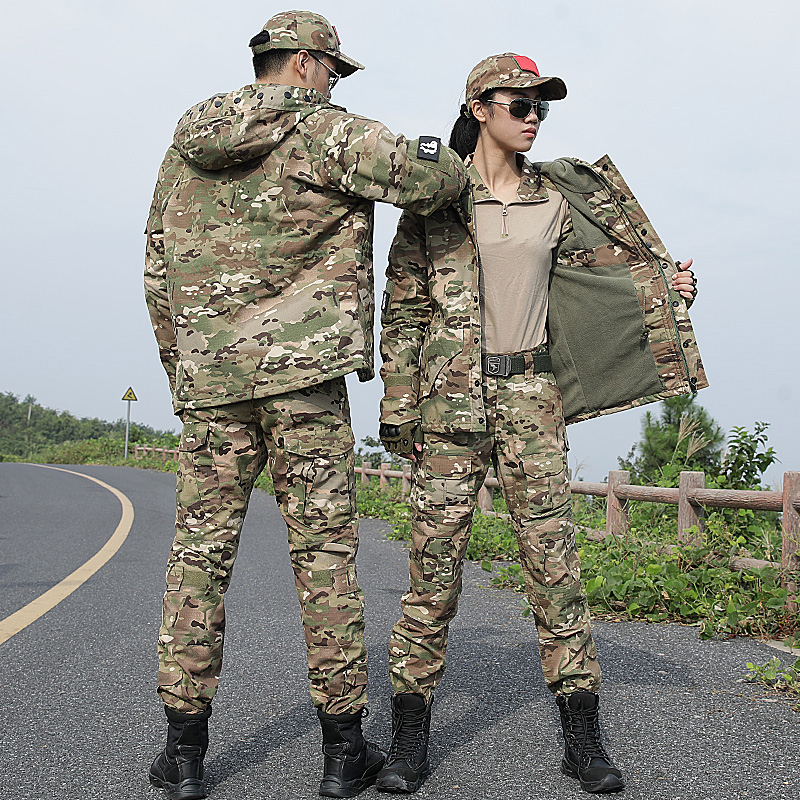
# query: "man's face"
320 76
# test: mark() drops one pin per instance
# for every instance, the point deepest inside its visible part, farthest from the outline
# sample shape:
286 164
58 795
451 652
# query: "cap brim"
347 65
550 88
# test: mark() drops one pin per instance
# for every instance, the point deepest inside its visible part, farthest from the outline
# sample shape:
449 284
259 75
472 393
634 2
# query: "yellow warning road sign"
129 395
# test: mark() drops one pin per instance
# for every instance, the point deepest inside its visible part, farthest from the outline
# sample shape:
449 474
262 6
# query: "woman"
546 281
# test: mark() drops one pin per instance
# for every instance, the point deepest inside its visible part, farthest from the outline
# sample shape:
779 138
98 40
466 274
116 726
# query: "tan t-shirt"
516 243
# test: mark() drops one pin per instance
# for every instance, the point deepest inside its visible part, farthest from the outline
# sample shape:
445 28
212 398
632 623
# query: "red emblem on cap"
529 65
339 41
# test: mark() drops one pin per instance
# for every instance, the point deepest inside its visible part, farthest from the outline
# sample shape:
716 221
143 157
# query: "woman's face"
508 133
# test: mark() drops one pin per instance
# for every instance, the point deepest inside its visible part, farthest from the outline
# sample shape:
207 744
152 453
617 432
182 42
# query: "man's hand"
683 280
404 440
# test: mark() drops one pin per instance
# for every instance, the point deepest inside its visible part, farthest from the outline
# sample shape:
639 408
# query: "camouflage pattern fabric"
510 71
305 438
258 271
526 439
298 30
431 336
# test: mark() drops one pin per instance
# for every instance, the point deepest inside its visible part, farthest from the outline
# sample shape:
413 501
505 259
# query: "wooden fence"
167 453
691 497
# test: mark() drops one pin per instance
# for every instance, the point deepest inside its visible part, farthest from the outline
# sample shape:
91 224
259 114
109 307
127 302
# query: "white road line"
19 620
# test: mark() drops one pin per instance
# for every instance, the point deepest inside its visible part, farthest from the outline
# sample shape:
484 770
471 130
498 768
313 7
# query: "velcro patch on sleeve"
429 148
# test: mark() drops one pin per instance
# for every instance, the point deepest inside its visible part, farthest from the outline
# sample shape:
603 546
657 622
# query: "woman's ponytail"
464 136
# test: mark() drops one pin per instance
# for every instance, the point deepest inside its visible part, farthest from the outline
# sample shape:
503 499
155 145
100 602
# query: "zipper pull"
505 225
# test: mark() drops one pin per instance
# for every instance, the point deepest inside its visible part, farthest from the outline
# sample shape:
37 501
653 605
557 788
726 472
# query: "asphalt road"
79 717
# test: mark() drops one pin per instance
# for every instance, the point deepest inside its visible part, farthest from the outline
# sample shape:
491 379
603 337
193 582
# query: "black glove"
400 439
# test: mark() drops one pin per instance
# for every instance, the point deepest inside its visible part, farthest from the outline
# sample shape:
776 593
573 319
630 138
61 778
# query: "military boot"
407 765
584 755
179 767
351 763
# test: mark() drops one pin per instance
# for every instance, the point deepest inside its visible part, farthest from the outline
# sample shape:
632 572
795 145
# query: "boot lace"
408 736
583 730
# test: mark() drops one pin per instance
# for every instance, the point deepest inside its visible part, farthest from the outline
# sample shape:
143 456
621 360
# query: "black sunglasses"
521 107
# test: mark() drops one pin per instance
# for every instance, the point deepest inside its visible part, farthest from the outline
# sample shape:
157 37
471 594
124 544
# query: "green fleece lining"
601 354
598 335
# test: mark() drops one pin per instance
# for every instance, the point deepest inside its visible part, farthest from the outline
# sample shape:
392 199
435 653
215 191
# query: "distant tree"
747 458
683 437
26 428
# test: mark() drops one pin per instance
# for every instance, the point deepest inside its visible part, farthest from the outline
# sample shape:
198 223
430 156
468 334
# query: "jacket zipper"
648 255
504 229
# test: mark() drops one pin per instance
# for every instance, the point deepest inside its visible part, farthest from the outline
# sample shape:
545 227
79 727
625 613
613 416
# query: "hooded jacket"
619 336
258 270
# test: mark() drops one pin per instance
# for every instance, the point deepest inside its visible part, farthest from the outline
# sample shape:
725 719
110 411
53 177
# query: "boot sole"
352 788
176 792
611 783
408 787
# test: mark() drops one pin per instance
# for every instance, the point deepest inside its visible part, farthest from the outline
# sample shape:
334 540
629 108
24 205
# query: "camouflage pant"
526 442
306 439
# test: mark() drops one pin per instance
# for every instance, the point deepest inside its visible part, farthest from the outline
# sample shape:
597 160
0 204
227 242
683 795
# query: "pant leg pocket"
198 481
319 474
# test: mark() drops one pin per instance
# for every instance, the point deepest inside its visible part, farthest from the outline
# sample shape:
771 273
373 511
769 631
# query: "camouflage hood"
217 133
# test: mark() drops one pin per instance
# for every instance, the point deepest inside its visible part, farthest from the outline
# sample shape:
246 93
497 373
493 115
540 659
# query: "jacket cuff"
399 416
400 390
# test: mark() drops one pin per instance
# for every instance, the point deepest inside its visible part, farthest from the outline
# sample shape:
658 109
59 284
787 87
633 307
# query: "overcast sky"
695 100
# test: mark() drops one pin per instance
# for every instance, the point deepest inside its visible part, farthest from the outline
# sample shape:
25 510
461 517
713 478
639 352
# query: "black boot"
179 767
351 762
584 756
407 765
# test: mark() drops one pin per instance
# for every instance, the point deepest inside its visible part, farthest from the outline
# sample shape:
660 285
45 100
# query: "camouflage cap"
305 30
510 71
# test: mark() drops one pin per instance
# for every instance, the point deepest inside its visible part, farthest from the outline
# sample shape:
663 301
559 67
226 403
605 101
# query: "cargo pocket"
545 482
319 475
197 477
443 485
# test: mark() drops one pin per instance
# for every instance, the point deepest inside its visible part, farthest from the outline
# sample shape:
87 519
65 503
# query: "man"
259 284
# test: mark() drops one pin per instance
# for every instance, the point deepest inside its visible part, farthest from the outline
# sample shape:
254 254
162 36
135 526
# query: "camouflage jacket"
258 273
619 335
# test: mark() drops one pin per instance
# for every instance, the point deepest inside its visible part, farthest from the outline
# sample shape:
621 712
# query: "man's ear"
302 63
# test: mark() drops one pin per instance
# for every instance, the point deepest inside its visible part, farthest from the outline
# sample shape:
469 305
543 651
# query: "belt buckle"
499 366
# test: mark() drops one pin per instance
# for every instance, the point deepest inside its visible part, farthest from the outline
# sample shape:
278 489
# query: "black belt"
502 366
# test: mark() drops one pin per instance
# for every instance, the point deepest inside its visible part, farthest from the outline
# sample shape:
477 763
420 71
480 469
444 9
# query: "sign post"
129 395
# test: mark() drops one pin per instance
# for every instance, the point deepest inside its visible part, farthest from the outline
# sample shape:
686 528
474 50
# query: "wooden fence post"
688 513
790 551
384 480
136 451
486 498
364 476
616 508
405 486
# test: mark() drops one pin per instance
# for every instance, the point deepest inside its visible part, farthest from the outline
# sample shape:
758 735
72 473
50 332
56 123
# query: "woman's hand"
683 280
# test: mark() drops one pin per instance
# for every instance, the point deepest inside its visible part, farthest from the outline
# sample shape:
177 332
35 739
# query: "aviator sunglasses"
521 107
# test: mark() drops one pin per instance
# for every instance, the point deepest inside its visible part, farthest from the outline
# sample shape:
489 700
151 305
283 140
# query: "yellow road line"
52 597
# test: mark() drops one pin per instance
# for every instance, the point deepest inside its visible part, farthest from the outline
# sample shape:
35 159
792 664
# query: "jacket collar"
527 191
